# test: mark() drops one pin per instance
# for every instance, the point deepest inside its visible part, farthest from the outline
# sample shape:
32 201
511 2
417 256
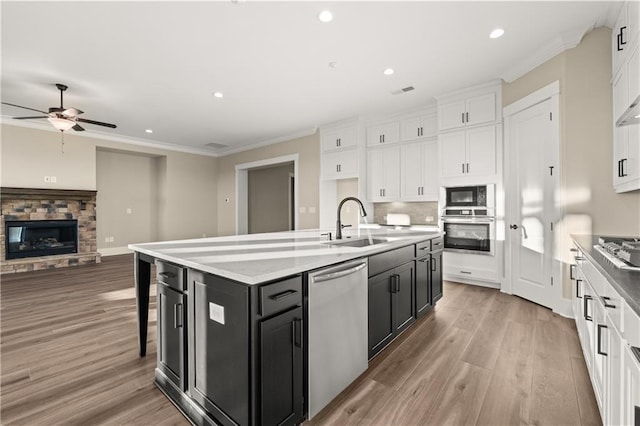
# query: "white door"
532 141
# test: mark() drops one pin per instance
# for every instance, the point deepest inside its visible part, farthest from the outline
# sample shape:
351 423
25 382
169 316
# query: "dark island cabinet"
282 369
171 310
231 353
423 285
436 276
391 303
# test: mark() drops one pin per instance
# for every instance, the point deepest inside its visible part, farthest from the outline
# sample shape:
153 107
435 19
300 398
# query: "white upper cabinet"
383 134
419 171
345 137
383 174
467 112
468 153
340 164
419 127
626 90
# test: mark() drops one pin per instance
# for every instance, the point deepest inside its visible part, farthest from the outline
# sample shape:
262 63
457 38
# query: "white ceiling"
155 65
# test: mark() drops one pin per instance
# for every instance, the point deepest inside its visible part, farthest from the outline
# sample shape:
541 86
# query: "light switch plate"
216 313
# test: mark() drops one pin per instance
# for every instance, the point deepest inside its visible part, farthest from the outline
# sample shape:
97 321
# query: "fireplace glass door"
40 238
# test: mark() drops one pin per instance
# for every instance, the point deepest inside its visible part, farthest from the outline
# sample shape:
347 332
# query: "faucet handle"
345 226
326 234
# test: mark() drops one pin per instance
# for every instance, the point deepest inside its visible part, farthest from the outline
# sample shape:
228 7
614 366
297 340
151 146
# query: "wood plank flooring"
68 352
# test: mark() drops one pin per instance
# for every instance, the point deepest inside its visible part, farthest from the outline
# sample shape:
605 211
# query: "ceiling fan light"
61 124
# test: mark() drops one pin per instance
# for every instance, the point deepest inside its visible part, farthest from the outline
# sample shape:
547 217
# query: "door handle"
578 289
177 315
513 226
586 308
297 332
571 274
599 337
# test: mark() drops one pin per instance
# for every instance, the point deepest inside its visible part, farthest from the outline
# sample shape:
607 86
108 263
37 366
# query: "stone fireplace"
45 210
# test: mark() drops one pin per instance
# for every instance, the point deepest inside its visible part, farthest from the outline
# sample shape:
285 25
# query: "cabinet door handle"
433 264
622 172
392 284
622 41
605 299
462 167
619 171
463 117
467 117
282 295
600 327
467 167
572 268
297 332
578 289
619 38
586 308
177 315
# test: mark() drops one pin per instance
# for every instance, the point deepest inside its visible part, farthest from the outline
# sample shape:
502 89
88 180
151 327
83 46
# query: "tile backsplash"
424 213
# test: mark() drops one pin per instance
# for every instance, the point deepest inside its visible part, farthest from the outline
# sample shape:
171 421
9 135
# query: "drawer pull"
465 272
571 273
167 274
438 244
578 258
424 248
606 305
282 295
177 315
297 332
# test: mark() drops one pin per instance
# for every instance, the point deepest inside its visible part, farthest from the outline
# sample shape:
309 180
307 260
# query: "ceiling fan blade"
27 118
78 128
72 112
23 107
97 123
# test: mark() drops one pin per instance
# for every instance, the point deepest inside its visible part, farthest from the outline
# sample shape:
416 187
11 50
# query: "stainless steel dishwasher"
338 330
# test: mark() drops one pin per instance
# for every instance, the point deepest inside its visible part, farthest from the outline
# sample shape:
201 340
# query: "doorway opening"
267 195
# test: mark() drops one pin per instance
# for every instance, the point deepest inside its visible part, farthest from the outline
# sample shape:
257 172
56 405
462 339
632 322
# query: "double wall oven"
468 219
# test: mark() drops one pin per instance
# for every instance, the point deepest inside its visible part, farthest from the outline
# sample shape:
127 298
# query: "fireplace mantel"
38 193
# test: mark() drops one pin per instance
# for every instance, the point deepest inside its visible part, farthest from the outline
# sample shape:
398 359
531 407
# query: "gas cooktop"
624 253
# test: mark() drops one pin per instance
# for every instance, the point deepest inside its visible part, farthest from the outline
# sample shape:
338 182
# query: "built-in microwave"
470 196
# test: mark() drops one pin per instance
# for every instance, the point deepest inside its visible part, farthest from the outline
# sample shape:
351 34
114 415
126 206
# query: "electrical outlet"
111 239
129 210
106 239
429 218
47 179
54 179
303 209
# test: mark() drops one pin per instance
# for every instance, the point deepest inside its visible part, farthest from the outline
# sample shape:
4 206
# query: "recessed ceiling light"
388 71
218 95
149 131
498 32
333 64
325 16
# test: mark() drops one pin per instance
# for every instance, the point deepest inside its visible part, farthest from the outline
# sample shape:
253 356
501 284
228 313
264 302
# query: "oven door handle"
467 220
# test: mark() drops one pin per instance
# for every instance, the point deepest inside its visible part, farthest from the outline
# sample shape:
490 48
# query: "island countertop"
259 258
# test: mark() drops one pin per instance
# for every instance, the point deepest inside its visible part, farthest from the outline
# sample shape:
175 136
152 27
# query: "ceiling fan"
60 117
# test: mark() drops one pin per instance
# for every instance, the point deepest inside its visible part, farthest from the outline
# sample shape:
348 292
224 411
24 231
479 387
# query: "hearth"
35 238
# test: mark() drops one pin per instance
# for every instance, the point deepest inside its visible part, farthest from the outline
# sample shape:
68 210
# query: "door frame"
549 92
242 189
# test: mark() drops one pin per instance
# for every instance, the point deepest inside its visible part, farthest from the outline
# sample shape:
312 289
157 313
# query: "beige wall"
268 193
187 187
308 150
586 146
126 181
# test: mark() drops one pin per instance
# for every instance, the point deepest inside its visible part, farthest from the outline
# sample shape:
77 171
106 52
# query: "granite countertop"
258 258
625 282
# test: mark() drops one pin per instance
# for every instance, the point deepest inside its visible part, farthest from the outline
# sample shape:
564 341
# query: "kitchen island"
233 319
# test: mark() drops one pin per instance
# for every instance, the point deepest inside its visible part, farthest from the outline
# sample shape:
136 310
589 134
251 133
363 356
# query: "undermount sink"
361 242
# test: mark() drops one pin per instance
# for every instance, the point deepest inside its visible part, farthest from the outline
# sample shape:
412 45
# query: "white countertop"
257 258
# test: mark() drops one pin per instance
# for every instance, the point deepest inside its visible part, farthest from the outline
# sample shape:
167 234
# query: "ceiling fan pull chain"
62 142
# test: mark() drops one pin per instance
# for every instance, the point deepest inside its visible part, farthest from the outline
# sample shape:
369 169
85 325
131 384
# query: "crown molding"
568 40
299 134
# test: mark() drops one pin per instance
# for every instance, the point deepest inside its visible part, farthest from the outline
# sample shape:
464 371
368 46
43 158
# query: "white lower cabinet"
613 368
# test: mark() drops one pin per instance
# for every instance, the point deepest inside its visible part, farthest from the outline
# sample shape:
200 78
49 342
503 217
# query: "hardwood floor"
69 356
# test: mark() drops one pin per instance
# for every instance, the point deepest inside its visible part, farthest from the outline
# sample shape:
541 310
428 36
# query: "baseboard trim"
564 308
464 280
114 251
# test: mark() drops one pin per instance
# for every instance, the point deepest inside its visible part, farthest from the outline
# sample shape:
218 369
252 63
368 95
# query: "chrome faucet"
339 224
